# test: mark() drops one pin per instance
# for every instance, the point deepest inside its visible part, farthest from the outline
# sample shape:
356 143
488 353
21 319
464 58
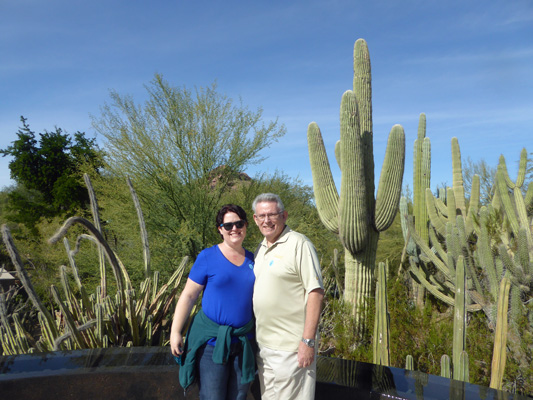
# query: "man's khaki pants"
281 378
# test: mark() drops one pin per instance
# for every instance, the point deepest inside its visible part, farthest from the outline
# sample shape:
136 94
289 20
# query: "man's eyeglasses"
229 225
262 217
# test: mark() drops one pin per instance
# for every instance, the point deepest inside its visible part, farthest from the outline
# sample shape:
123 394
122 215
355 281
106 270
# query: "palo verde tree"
48 173
182 149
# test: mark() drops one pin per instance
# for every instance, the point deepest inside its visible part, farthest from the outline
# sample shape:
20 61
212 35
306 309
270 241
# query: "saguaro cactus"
355 215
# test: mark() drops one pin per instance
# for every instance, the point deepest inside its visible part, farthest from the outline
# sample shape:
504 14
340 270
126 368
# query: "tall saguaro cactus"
356 215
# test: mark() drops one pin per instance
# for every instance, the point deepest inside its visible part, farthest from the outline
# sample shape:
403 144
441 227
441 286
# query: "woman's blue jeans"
221 381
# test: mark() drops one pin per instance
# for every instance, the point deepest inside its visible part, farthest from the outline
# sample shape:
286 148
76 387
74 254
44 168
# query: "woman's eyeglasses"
229 225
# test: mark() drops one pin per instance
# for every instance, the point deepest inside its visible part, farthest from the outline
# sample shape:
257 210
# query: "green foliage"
182 150
119 316
48 173
425 334
337 327
390 245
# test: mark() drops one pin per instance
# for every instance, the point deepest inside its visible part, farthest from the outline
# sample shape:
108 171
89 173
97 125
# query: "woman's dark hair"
230 208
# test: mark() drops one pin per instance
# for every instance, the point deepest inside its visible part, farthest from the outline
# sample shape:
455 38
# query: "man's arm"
306 354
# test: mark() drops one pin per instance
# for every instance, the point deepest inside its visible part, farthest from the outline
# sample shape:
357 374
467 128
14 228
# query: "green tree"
48 173
486 174
182 149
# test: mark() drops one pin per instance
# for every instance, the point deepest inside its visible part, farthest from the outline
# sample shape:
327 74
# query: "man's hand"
306 355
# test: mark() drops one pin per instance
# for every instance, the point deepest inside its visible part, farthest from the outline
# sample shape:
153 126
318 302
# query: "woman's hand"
176 343
188 297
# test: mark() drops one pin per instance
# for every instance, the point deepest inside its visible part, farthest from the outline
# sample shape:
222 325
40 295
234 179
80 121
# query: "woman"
217 351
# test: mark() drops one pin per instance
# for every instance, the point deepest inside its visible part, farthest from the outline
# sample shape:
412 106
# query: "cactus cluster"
128 317
493 242
355 214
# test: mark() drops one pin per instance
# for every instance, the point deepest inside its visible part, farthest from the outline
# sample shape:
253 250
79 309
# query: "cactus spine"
355 215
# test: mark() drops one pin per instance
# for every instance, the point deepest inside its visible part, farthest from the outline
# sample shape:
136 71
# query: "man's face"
269 220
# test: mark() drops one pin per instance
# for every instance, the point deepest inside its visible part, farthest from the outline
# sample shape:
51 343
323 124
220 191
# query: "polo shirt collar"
282 238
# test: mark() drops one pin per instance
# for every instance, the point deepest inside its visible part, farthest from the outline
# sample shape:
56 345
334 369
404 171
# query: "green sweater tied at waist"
203 329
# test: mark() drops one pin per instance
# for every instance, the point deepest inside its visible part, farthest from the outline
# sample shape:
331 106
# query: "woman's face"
235 235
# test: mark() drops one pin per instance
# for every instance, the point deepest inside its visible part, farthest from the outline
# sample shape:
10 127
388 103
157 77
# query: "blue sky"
467 64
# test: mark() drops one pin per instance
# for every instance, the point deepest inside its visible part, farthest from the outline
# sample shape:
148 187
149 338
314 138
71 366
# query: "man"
287 302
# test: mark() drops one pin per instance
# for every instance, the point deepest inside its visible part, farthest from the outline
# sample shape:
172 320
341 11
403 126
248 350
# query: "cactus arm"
471 271
445 370
424 248
69 319
338 153
452 205
409 362
410 246
521 211
500 339
423 218
69 296
516 216
464 374
436 245
415 270
142 227
459 315
503 168
523 254
390 181
436 221
326 196
362 86
98 226
458 188
528 200
381 323
353 211
440 204
111 257
485 254
25 280
522 168
473 207
421 177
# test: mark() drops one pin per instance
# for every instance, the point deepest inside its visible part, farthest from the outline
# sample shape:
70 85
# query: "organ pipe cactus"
421 182
451 226
495 241
354 214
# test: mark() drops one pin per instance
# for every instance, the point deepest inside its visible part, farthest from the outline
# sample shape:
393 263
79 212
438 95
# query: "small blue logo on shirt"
251 266
271 262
